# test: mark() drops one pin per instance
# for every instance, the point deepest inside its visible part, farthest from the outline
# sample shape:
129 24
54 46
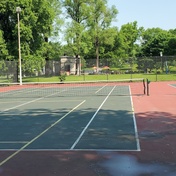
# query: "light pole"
18 10
161 55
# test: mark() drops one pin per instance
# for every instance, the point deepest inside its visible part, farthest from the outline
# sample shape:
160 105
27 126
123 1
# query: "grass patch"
151 77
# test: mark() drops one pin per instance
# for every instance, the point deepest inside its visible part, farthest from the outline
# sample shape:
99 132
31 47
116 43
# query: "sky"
147 13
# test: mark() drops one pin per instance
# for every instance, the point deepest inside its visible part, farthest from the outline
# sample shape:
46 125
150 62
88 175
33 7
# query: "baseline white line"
135 124
52 125
67 150
82 133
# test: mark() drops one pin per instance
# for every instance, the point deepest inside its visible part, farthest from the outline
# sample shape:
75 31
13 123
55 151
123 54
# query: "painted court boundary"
72 148
135 124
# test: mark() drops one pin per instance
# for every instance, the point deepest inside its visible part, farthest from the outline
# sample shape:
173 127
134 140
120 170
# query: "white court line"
135 124
101 88
13 142
26 90
52 125
28 102
67 150
82 133
172 85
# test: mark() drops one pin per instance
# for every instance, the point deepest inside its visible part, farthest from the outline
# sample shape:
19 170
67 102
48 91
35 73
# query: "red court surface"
156 123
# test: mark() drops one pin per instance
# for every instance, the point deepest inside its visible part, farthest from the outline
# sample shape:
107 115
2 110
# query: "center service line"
82 133
52 125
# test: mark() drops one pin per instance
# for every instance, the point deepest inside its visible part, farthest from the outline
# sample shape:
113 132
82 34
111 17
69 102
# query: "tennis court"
66 117
104 128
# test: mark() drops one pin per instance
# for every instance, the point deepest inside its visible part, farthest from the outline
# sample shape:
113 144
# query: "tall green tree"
171 49
100 20
77 12
129 34
109 47
36 26
154 41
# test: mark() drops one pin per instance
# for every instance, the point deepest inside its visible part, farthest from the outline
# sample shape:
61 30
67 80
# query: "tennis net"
87 88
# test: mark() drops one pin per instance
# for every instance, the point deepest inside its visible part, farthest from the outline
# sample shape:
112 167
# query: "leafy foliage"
87 30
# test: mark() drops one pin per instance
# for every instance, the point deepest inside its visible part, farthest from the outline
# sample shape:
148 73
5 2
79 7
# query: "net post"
148 82
144 86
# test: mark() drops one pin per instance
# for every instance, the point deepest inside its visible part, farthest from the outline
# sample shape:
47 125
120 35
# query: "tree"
100 20
77 13
36 26
155 40
171 49
109 46
3 48
129 34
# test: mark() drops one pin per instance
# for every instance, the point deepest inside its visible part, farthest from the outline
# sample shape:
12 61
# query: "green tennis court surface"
173 85
57 122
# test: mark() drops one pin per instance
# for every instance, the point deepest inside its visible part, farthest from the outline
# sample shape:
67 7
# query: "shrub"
62 77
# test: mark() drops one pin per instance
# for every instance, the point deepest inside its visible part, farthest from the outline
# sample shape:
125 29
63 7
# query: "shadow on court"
44 129
157 157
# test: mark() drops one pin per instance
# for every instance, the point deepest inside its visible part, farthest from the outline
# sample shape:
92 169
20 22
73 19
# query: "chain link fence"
161 65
